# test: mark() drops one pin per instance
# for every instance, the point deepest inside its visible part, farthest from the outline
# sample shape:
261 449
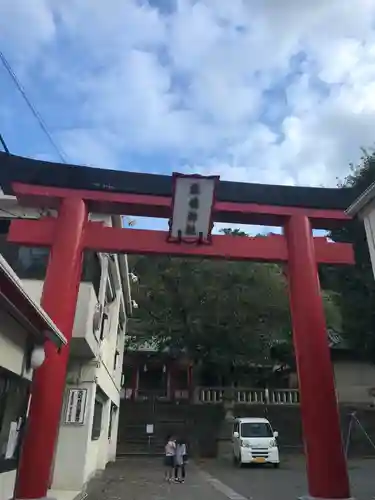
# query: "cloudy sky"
271 91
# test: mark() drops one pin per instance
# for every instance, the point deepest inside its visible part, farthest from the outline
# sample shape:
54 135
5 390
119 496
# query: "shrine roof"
32 171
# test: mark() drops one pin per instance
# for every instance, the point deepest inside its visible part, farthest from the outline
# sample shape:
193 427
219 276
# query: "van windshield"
256 429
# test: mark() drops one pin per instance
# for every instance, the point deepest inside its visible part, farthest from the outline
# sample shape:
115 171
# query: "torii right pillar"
327 471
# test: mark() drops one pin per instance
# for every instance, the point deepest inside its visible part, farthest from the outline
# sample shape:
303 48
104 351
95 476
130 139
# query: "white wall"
353 381
369 221
73 470
83 322
73 440
7 482
82 328
34 289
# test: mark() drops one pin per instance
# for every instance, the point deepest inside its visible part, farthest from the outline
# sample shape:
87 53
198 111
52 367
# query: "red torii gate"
71 233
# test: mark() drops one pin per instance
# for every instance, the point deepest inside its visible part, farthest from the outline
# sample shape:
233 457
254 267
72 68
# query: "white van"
254 441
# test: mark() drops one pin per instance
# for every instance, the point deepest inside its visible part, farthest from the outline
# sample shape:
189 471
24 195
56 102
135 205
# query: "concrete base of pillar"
40 498
308 497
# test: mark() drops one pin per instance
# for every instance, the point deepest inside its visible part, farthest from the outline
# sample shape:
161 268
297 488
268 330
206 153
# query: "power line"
31 107
3 143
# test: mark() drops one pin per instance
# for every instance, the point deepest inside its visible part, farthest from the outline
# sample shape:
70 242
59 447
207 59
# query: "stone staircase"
165 417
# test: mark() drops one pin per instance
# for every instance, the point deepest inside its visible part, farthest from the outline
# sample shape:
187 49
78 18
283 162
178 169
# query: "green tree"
355 285
282 351
217 311
233 232
221 312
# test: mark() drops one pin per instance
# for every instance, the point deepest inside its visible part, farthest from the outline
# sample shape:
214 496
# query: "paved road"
142 479
288 482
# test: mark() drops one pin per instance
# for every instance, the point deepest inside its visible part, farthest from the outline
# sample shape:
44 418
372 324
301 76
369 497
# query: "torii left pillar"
59 299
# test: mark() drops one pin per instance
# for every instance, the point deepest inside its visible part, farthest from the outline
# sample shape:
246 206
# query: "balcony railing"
148 395
245 395
217 395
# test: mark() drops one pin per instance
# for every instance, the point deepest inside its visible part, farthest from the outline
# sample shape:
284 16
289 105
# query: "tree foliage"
355 284
222 312
213 310
233 232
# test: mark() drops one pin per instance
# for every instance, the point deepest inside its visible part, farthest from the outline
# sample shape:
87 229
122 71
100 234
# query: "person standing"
180 461
169 458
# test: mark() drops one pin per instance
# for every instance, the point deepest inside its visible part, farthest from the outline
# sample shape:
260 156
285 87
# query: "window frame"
115 359
27 262
112 414
110 288
9 464
103 324
97 273
96 428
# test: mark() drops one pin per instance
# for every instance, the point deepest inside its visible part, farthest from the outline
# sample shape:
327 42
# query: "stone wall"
287 421
200 424
209 434
284 418
205 429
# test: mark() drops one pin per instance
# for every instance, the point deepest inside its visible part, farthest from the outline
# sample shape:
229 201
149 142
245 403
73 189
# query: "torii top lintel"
40 183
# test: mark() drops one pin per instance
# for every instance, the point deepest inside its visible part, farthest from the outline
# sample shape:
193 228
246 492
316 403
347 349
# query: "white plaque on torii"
192 208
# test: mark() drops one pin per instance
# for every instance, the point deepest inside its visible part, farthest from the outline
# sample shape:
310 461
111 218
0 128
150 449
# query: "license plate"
259 460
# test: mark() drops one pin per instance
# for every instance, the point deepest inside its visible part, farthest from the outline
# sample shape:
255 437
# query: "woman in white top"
169 459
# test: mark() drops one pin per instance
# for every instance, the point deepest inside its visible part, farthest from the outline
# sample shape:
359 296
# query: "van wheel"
276 466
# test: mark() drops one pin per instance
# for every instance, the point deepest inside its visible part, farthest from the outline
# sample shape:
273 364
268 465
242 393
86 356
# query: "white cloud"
92 149
26 28
256 90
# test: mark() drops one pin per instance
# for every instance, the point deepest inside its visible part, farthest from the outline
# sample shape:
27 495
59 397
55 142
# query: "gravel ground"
142 479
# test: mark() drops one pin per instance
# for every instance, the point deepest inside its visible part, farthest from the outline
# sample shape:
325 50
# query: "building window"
27 262
111 420
110 291
92 270
96 273
120 327
103 325
97 420
117 354
14 396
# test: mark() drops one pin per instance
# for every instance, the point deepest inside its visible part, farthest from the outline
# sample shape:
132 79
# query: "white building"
364 208
24 327
89 422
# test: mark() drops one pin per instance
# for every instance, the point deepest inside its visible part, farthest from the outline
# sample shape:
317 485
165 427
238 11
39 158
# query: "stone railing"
146 395
245 395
